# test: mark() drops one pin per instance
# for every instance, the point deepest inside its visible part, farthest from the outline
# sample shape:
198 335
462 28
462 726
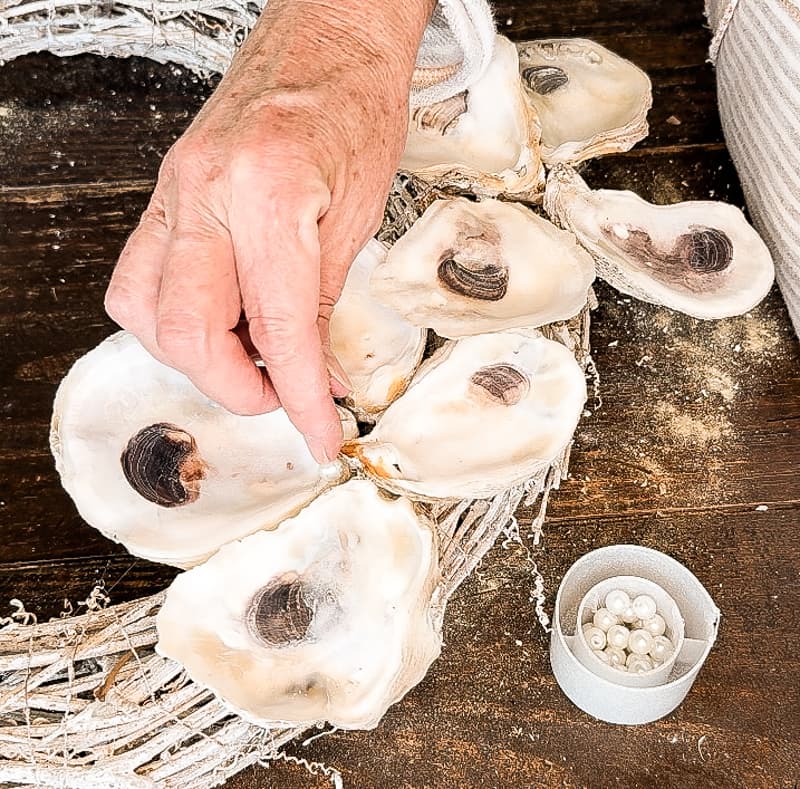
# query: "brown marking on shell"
544 79
355 449
163 465
694 255
278 613
442 116
397 388
500 383
473 265
351 448
475 279
705 250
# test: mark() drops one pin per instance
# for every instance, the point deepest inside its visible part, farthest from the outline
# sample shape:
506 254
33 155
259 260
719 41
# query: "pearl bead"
644 606
662 648
637 664
617 636
603 618
601 655
617 600
628 616
616 656
655 625
640 642
594 636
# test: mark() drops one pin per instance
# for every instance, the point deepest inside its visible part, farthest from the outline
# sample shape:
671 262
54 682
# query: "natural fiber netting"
84 700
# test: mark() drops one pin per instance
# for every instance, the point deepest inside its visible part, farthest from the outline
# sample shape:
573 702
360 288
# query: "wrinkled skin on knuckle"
183 339
278 339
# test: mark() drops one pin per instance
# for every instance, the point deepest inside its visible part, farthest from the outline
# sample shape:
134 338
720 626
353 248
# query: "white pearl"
617 636
594 636
603 618
616 656
598 653
628 616
662 648
644 606
638 663
655 625
640 642
617 600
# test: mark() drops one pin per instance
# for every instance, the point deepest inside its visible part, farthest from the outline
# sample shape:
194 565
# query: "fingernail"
337 389
318 450
337 371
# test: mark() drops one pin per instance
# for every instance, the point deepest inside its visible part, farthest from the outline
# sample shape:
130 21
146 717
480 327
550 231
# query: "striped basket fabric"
756 50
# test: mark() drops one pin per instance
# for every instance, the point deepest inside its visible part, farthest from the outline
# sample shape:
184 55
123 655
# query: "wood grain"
699 427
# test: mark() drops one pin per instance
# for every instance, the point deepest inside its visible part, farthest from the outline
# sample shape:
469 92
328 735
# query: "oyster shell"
698 257
377 348
484 140
484 413
326 618
468 268
155 465
589 100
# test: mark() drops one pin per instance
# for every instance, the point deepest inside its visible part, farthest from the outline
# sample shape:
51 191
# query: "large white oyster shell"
484 413
697 257
589 100
154 464
484 140
378 349
468 268
326 618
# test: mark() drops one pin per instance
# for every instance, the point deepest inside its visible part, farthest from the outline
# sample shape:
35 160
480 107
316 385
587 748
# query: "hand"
262 205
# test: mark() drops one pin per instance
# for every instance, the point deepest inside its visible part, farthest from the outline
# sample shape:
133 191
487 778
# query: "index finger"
276 245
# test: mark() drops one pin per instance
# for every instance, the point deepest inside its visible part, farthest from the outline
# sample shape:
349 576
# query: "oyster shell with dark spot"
483 414
589 101
467 268
154 464
698 257
326 618
484 140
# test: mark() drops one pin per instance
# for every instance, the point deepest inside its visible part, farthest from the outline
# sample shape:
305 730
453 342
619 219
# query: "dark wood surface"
694 451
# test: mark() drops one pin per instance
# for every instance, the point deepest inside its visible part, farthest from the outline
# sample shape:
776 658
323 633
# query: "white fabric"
758 84
460 35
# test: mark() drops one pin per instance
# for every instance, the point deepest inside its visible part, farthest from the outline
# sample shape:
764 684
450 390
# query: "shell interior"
485 139
484 413
155 465
378 349
326 618
469 268
589 100
700 257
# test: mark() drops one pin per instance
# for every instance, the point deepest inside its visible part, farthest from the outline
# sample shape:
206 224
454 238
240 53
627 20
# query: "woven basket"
84 700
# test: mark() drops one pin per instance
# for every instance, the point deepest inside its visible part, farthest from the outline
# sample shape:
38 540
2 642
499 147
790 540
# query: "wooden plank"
90 120
45 585
614 18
